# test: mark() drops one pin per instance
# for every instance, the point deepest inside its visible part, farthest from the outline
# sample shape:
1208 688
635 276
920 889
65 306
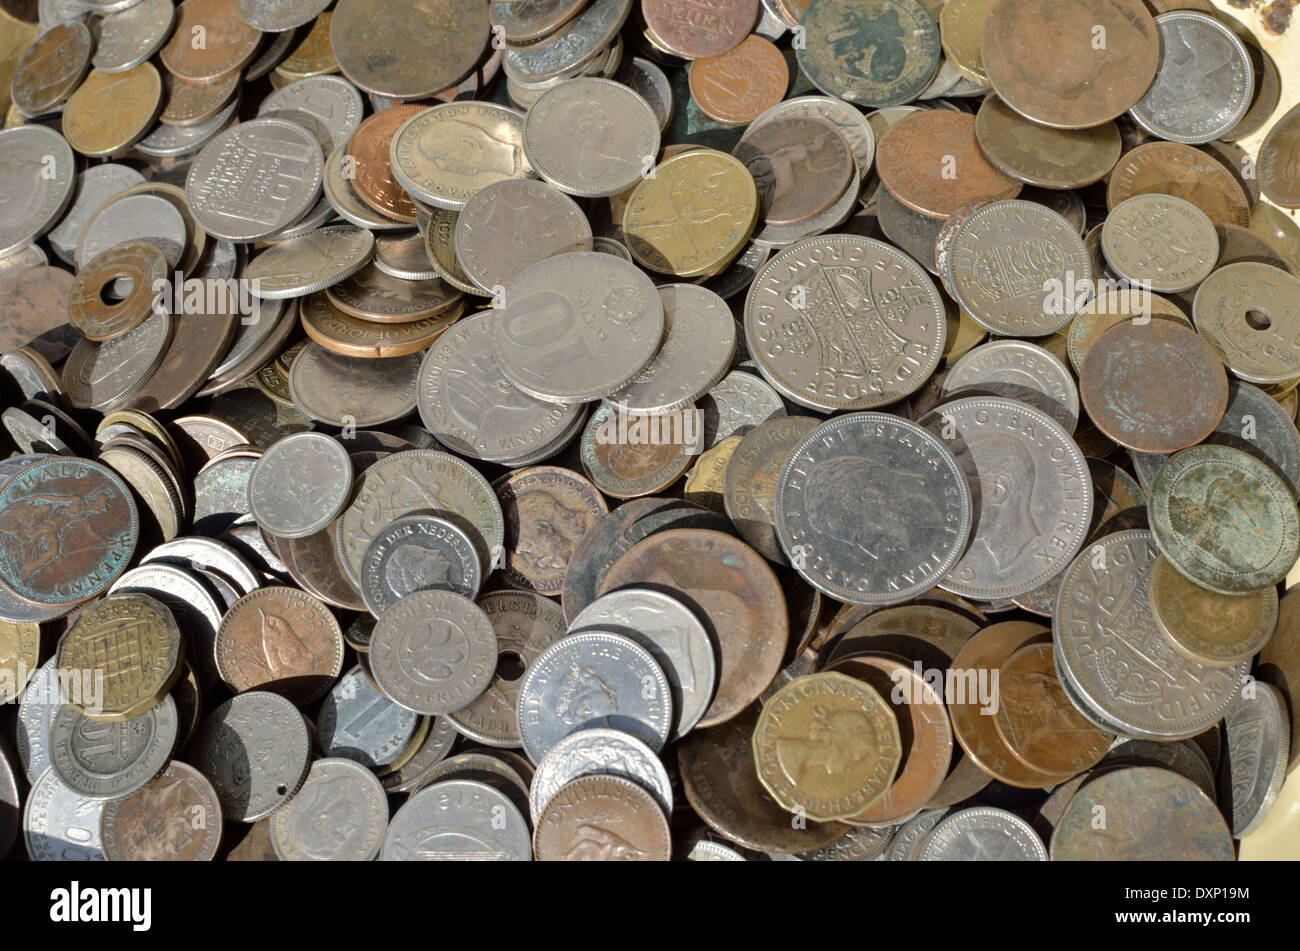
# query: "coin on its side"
339 815
304 265
1258 747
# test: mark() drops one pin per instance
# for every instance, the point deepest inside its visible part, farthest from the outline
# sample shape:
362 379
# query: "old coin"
1017 370
706 480
111 760
1060 78
378 297
304 265
251 788
433 652
547 510
373 177
37 312
732 591
300 484
737 403
1279 663
455 820
349 336
51 68
1041 155
526 23
416 552
739 85
277 16
157 823
555 337
447 154
20 643
38 197
1164 816
577 45
599 752
1110 309
1212 629
1203 82
59 825
338 389
627 454
1250 314
1279 178
700 28
602 818
1180 171
189 599
1156 387
751 479
801 165
129 37
901 31
982 834
442 41
513 224
283 640
415 772
1258 747
1224 519
359 723
914 159
339 815
229 42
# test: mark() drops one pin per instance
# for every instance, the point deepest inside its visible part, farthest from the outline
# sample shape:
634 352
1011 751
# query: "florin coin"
339 815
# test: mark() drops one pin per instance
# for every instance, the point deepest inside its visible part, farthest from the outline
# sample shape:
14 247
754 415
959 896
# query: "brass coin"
1041 155
1212 629
110 111
314 54
1171 168
707 478
648 462
961 28
228 42
20 649
141 264
351 336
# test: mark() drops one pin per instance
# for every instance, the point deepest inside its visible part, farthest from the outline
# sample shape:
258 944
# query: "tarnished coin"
547 510
827 745
60 825
599 752
731 590
111 760
1278 177
283 640
801 165
300 485
190 600
20 644
135 642
378 297
176 818
1049 254
1225 519
699 28
1279 664
835 33
129 37
34 199
1041 155
577 327
373 178
602 818
229 42
593 679
705 482
359 723
457 820
1258 747
1250 313
1203 82
441 41
277 16
1112 657
1213 629
433 652
526 23
339 815
1108 310
513 224
1155 387
580 42
629 454
304 265
51 68
416 552
1161 241
1164 815
1057 76
131 98
360 391
751 477
850 123
141 264
737 86
849 291
1017 370
982 834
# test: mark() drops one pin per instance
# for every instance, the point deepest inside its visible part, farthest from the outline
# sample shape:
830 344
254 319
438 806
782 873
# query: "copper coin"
732 590
1170 168
932 163
1238 244
50 68
1044 62
187 103
198 344
547 511
141 264
353 337
693 29
932 634
738 86
282 640
1212 629
602 818
801 166
176 818
924 731
1279 161
963 781
314 564
1156 387
374 295
973 715
722 786
625 469
374 182
1043 156
36 312
228 42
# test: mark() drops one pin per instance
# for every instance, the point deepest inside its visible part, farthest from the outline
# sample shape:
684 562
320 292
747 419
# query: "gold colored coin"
440 246
705 481
150 427
314 56
693 216
274 382
961 28
1216 630
827 746
134 642
111 111
1101 314
20 648
353 337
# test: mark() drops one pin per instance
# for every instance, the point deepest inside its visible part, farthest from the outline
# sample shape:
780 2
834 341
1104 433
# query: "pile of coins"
612 430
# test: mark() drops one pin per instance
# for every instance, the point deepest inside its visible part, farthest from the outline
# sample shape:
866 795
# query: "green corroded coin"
872 52
1224 519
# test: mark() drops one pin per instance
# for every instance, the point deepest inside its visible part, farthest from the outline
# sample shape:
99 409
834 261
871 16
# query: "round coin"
1250 314
1212 629
416 552
300 485
339 815
836 31
112 760
602 818
456 820
599 752
283 640
547 510
38 198
158 823
982 834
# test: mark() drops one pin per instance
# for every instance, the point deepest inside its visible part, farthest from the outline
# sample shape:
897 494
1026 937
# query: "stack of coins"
671 429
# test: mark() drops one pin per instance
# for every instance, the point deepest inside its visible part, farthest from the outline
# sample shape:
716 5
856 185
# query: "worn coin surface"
1250 313
277 16
1161 241
158 823
801 165
111 760
700 28
441 40
1180 171
300 484
900 32
513 224
1041 155
60 825
20 643
339 815
310 263
627 454
51 68
736 87
457 820
602 818
547 510
750 480
229 42
1278 177
982 834
359 723
34 199
1213 629
1017 370
585 36
361 391
599 752
1258 747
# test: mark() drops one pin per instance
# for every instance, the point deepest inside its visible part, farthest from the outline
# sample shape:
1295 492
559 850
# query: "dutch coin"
457 820
602 818
112 760
300 485
982 834
282 640
416 552
359 723
339 815
176 818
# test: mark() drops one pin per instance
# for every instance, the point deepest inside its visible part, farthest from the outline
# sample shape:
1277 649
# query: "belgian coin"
416 552
359 723
158 823
300 485
982 834
339 815
457 820
111 760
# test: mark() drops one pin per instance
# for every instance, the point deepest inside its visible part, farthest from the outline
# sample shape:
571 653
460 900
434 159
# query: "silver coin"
359 723
208 556
34 198
851 123
593 679
1047 249
339 815
310 263
983 834
472 409
704 850
698 345
221 493
862 844
255 179
599 751
872 509
196 610
1259 748
59 825
672 634
1249 312
591 137
906 844
1204 82
815 324
737 403
511 225
576 327
912 231
433 652
650 83
50 68
1273 438
106 375
415 772
277 16
343 197
403 256
30 257
740 273
1164 242
320 214
357 391
300 485
255 749
149 219
95 186
52 12
256 327
458 820
1031 489
1183 757
1108 645
173 141
1017 370
329 107
415 553
102 759
41 701
582 39
10 804
128 38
